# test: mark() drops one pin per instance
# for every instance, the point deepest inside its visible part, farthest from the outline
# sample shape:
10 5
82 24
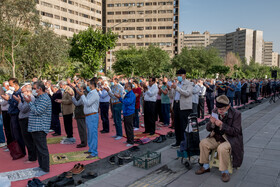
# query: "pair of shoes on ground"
113 160
77 169
225 176
170 134
63 179
35 182
160 139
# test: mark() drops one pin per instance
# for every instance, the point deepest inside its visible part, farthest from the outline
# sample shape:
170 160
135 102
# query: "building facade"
142 23
247 43
275 59
67 17
267 53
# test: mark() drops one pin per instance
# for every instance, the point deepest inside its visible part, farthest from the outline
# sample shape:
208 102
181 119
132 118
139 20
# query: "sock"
226 171
206 166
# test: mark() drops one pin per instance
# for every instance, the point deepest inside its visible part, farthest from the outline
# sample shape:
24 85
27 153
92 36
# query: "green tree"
90 47
17 19
218 69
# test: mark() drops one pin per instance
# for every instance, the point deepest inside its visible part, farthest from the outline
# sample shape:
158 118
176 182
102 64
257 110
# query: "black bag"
15 150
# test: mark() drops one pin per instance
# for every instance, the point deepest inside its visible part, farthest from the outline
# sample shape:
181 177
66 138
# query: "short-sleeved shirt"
137 91
164 98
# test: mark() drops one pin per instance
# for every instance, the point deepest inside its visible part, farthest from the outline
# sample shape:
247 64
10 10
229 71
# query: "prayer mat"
138 135
61 158
18 175
55 140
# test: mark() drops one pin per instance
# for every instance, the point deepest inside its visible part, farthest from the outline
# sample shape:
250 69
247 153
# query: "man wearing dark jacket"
56 109
226 136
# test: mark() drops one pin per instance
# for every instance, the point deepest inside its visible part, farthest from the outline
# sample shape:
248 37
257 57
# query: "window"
63 9
140 12
140 36
64 28
148 12
65 1
140 4
118 13
56 26
46 4
71 3
149 28
140 20
162 11
47 14
71 21
110 21
118 5
57 7
118 20
140 28
110 5
64 18
148 4
110 13
71 11
56 17
71 29
128 12
85 16
149 20
131 20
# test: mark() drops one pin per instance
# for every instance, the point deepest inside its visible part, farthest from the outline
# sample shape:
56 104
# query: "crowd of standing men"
31 110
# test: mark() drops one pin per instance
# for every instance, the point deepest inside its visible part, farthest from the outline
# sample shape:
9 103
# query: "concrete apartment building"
67 17
275 61
196 39
267 53
247 43
142 23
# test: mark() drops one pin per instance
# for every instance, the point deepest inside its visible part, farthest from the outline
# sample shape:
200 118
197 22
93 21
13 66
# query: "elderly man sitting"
226 136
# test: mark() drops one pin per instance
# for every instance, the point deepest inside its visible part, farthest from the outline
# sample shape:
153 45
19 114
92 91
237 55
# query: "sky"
224 16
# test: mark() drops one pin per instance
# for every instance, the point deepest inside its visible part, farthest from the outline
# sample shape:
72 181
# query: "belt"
176 101
116 103
91 114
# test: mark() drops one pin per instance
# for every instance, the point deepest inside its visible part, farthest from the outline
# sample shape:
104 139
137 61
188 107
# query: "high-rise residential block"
267 53
247 43
275 59
67 17
142 23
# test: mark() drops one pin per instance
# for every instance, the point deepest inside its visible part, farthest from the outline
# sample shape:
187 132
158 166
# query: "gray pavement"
260 165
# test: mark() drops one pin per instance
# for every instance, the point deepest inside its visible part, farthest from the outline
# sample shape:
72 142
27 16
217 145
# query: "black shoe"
125 155
104 131
134 149
155 140
31 183
145 132
90 175
120 161
38 182
65 182
56 179
161 139
112 160
175 146
152 133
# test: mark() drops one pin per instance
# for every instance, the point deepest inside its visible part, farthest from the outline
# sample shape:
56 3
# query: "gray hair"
63 82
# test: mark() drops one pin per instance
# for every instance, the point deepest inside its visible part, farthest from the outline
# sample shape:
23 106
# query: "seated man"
226 136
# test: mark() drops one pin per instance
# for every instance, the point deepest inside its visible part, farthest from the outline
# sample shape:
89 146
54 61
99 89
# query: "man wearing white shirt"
91 105
200 109
150 98
104 107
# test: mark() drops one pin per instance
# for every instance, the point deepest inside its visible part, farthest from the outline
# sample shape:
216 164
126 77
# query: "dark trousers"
40 140
28 140
254 96
194 108
165 109
16 132
231 101
104 109
136 118
128 126
180 122
55 125
149 116
210 104
243 98
7 126
82 129
238 98
200 107
158 111
68 125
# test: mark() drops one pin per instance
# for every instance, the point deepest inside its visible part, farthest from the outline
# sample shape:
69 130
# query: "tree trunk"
13 62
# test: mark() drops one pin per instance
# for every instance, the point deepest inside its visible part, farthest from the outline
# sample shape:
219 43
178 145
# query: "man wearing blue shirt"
237 92
128 112
230 92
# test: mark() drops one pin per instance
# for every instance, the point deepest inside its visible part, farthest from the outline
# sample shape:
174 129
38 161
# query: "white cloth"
151 93
202 90
177 94
91 102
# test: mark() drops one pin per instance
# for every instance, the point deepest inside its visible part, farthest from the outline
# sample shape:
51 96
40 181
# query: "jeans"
117 114
92 131
104 111
231 101
2 137
165 110
136 118
40 140
55 125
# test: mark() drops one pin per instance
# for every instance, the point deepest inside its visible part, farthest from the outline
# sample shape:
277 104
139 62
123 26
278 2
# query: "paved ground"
260 166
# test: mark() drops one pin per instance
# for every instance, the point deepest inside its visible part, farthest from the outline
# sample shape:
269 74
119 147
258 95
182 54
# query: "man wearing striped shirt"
39 125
